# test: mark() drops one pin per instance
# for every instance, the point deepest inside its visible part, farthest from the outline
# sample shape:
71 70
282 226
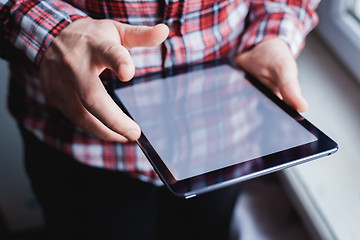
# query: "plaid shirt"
200 30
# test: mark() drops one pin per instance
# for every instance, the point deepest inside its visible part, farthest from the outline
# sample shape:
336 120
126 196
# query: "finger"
288 84
117 58
81 118
99 103
142 36
292 96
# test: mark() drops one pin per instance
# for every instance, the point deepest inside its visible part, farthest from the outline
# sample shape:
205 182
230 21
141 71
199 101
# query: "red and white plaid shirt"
201 30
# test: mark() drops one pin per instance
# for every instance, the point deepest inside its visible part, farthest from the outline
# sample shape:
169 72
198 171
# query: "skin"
273 64
70 69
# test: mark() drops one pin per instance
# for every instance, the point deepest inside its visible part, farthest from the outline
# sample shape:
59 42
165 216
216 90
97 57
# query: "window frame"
341 31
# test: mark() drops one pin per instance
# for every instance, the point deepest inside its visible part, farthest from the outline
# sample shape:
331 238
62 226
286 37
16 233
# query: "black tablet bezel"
229 175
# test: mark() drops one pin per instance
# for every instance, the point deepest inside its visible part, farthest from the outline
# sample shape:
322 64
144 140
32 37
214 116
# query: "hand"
70 69
273 64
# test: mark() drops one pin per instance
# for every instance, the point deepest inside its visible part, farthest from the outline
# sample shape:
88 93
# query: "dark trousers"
82 202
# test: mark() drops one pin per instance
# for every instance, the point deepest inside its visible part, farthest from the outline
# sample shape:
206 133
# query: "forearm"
30 26
290 21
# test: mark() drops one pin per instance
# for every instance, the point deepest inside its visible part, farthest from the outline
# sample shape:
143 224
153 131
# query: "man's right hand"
71 66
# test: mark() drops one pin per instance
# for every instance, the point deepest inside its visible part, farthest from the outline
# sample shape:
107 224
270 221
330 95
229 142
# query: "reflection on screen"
205 120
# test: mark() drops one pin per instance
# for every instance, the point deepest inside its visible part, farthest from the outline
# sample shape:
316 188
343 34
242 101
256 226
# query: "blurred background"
316 200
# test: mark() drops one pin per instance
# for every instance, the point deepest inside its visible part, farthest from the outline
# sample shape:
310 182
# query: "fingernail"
133 134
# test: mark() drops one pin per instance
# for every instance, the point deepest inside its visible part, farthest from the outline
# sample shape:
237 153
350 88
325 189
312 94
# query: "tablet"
208 126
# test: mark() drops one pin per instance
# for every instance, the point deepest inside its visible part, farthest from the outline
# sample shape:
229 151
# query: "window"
354 8
340 27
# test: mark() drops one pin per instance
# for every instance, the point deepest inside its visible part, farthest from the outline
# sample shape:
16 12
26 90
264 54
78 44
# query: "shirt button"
170 24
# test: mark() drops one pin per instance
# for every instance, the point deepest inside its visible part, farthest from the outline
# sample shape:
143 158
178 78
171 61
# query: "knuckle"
133 31
113 49
118 59
89 98
113 53
109 48
118 126
138 30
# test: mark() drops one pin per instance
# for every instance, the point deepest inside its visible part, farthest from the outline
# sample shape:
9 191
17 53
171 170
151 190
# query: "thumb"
286 73
291 94
142 36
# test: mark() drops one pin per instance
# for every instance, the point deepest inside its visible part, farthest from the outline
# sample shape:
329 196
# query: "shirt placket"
173 11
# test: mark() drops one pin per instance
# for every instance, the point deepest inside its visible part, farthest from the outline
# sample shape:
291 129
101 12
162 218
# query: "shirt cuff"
278 25
39 23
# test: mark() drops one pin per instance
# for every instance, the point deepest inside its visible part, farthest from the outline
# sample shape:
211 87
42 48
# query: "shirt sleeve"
30 26
289 20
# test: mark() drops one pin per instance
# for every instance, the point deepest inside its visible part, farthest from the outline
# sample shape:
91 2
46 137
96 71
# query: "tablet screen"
210 119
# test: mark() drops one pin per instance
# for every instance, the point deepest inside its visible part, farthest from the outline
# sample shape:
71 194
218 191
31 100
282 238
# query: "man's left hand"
273 64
